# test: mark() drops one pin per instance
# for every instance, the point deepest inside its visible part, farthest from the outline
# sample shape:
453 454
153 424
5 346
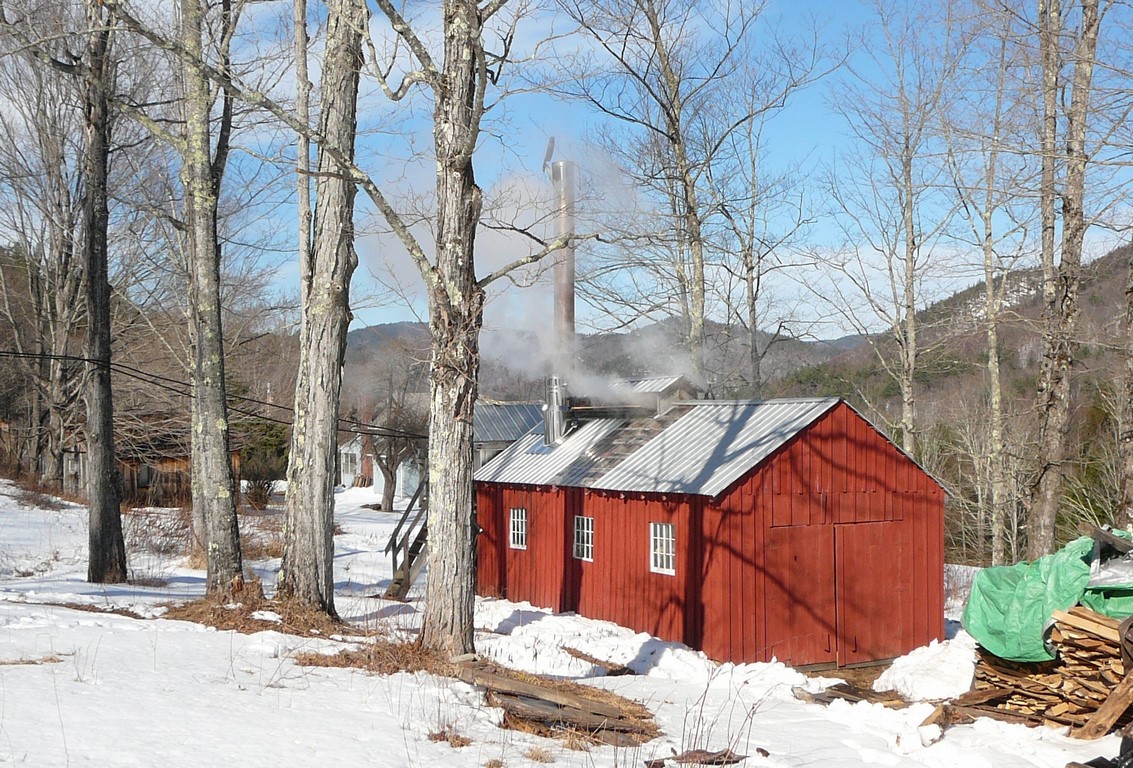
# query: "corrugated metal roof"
528 461
703 450
712 446
504 422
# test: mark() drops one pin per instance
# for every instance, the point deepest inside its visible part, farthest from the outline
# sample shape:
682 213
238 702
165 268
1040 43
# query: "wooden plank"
1122 545
1090 624
1086 613
983 696
704 757
1113 708
545 712
503 684
611 669
996 714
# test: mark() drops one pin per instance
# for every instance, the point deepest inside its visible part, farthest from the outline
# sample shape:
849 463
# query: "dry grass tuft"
576 741
236 614
539 755
155 582
384 658
197 560
495 762
258 545
454 739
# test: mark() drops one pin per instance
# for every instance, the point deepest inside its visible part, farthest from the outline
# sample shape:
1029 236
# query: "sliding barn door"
874 591
800 611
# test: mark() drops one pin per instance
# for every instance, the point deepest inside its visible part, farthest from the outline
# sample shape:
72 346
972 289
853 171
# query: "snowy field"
83 688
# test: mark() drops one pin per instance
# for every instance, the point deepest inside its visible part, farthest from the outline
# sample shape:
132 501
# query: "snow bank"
84 681
942 670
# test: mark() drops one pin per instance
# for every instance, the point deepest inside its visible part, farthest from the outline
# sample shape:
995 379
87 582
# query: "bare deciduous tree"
307 572
986 133
41 181
764 215
889 191
107 549
677 78
202 169
69 230
1061 284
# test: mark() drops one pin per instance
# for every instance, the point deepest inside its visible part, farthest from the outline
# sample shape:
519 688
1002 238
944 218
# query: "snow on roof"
696 448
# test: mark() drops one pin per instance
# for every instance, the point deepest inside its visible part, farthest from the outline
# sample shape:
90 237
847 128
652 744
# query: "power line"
184 389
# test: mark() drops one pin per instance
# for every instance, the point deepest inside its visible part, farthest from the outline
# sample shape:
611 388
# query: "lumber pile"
1086 688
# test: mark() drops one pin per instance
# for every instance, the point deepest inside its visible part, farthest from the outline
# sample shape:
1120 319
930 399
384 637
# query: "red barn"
784 528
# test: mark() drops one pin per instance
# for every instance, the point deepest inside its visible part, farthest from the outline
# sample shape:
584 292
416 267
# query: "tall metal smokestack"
563 181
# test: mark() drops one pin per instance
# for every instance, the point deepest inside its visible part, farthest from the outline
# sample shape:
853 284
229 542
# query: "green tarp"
1010 607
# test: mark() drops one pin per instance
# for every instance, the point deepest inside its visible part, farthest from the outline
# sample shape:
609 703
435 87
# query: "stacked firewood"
1085 688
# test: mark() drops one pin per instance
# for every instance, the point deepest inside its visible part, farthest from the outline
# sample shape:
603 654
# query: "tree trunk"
751 297
908 332
307 573
1124 515
1062 311
213 488
389 484
456 314
996 453
107 561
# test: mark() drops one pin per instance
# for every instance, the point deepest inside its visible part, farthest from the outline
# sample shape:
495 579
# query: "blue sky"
805 132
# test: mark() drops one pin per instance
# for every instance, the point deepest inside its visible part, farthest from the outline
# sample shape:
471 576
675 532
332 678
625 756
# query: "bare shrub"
158 531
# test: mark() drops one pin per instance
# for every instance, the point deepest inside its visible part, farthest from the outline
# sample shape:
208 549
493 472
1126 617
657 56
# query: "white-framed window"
518 538
583 538
662 548
349 463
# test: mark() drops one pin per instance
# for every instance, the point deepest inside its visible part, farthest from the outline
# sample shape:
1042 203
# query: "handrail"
392 543
409 531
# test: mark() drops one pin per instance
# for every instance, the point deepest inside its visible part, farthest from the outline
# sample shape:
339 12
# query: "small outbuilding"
791 529
497 425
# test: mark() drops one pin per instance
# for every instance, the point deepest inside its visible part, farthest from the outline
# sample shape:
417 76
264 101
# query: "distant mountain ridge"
514 361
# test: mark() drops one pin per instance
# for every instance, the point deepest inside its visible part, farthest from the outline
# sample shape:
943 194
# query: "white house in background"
356 467
495 426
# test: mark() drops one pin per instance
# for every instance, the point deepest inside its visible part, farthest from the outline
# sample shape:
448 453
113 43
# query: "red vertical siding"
632 595
885 573
831 549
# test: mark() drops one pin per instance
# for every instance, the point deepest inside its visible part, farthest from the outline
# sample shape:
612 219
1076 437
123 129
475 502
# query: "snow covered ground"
79 688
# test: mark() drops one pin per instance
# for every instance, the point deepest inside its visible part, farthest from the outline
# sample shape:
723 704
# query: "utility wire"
184 389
